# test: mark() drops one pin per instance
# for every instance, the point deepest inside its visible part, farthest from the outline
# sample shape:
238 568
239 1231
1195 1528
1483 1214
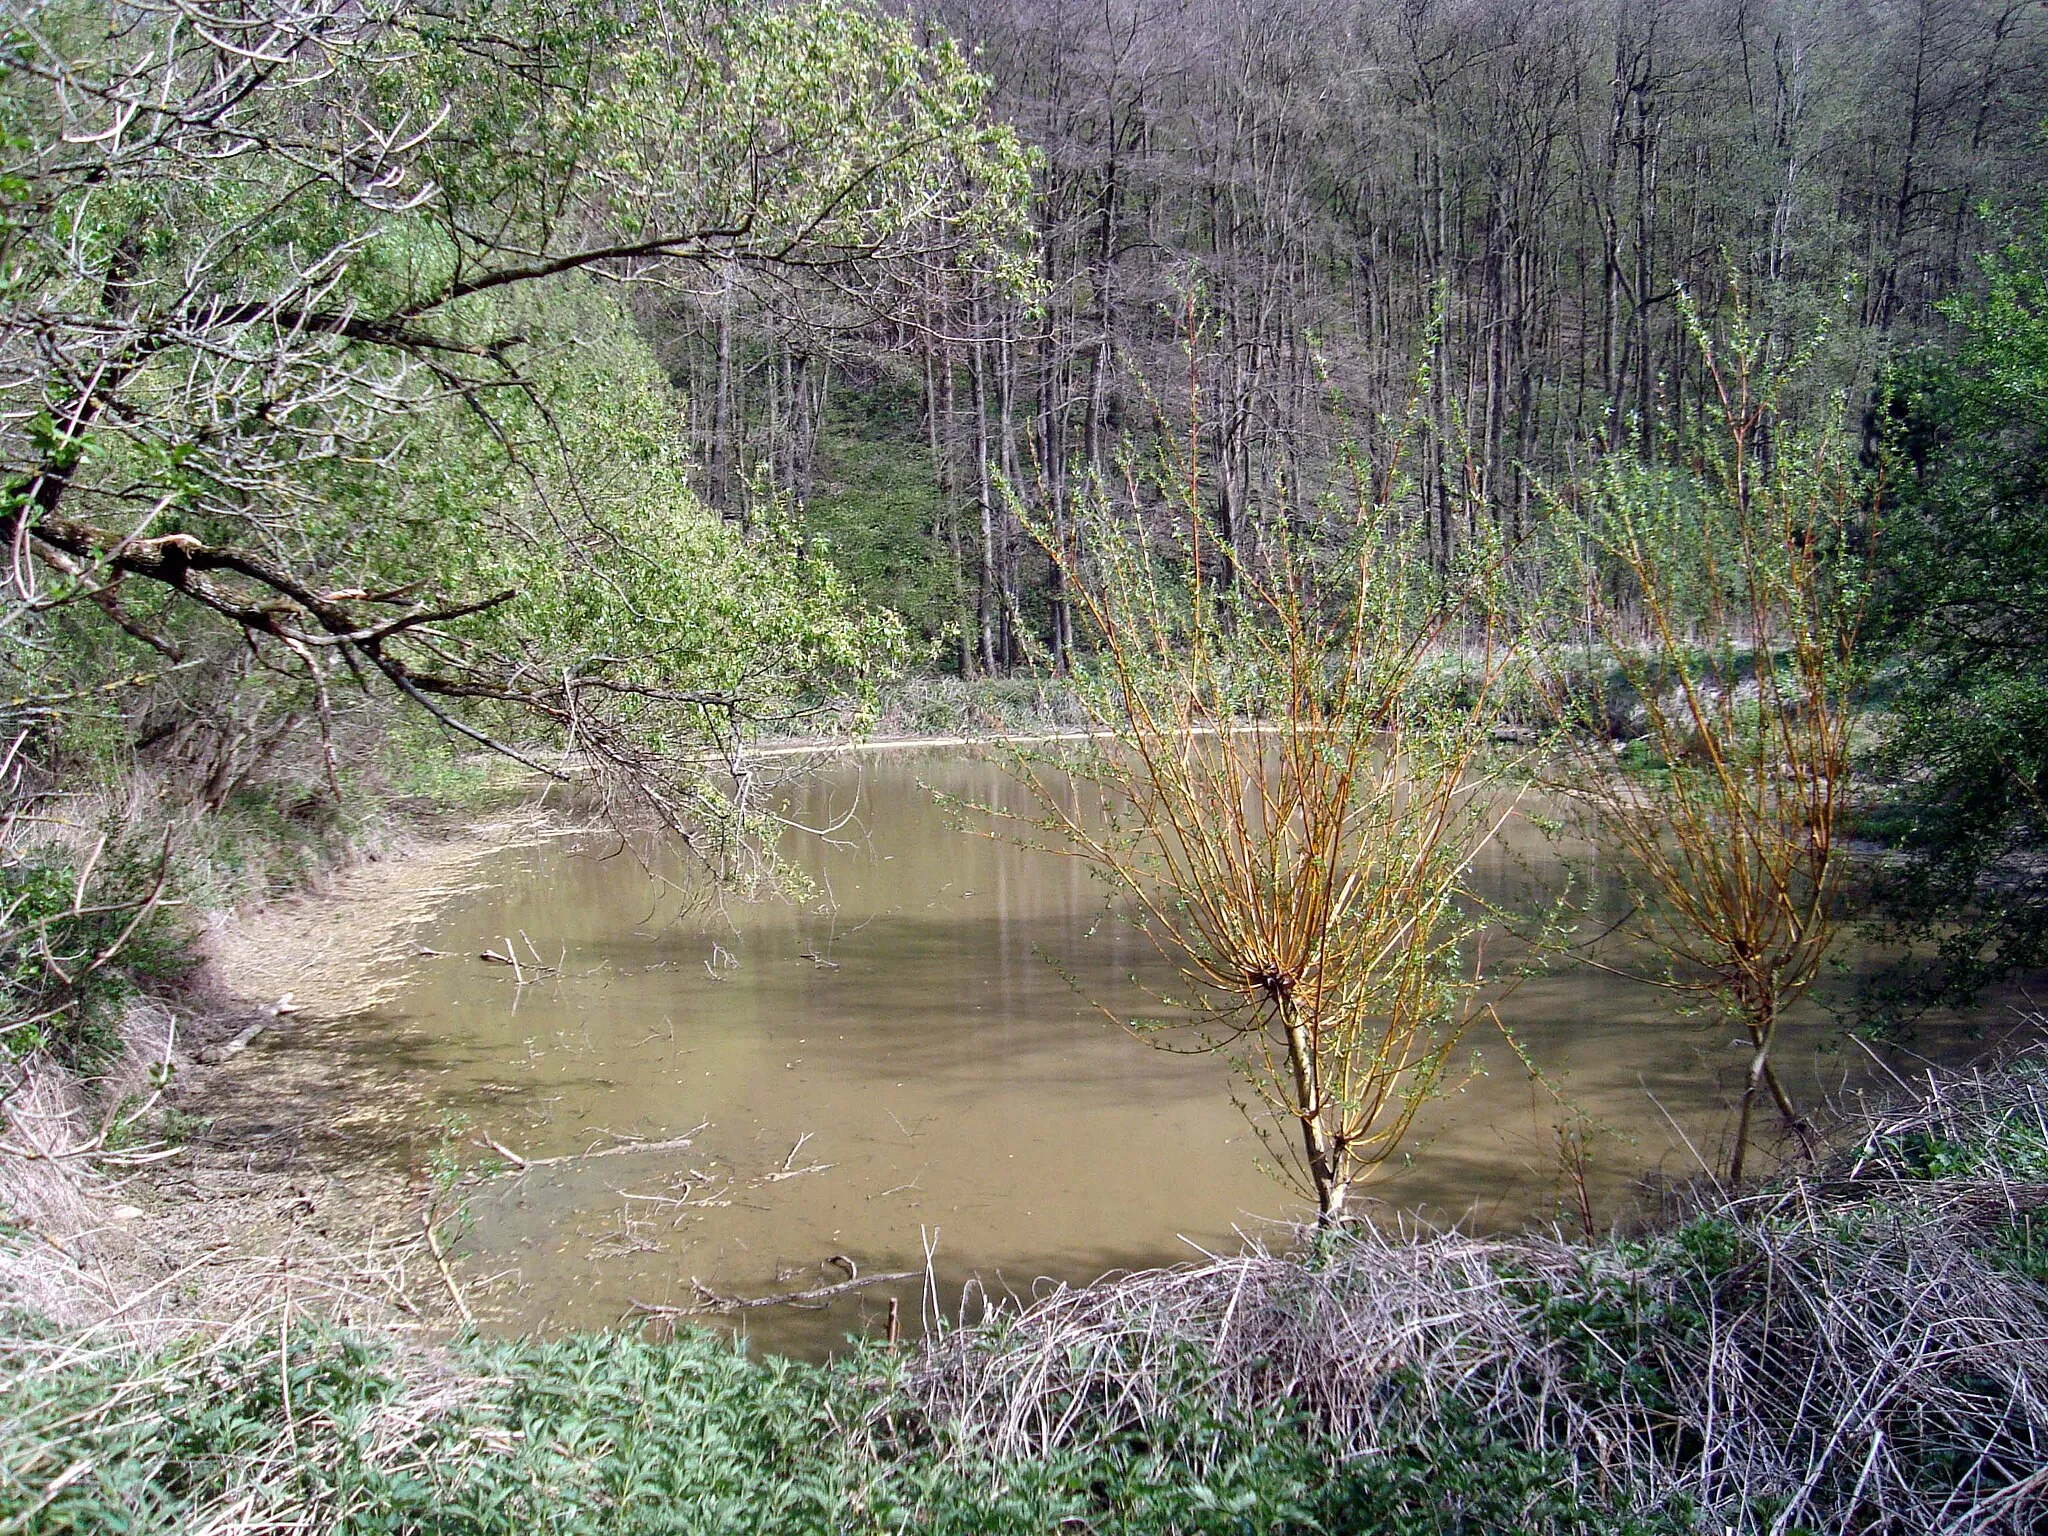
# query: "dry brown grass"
133 1228
1857 1350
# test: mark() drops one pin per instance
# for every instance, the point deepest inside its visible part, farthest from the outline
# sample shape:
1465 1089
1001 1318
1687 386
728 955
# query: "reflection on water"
898 1064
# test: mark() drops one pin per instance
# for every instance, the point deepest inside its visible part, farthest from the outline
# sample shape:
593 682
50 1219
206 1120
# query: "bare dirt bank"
329 952
228 1165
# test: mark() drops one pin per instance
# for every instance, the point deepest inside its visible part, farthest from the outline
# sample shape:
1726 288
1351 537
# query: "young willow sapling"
1283 786
1715 625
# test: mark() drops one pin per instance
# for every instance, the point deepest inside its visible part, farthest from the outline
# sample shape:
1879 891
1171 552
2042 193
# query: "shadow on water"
897 1064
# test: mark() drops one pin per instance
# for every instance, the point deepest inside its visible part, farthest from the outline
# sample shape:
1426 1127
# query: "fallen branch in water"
669 1144
711 1301
524 975
786 1171
441 1263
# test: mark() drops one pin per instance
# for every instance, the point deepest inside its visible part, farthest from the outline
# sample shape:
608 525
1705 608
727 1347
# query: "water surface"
917 1062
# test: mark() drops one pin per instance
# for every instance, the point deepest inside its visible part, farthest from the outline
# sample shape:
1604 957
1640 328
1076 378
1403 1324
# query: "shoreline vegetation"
239 1326
1862 1345
405 405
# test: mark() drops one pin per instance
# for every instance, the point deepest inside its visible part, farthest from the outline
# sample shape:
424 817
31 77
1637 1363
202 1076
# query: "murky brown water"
897 1067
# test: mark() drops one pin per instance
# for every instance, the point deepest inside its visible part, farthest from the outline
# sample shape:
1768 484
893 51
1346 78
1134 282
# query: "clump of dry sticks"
1862 1348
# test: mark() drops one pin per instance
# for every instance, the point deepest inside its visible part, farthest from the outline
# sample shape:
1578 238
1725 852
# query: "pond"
916 1066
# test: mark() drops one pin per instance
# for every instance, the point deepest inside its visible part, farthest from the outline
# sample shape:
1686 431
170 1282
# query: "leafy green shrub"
1453 1478
73 943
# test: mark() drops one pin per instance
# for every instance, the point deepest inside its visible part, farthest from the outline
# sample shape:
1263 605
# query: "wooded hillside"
1328 195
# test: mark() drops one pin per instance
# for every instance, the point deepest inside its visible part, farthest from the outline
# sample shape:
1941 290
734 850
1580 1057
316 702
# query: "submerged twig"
624 1148
714 1301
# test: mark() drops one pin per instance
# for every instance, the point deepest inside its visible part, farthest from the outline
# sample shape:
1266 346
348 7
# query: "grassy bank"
1862 1349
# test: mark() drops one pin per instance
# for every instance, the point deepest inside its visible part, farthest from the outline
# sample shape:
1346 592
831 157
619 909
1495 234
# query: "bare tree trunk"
939 415
1328 1180
1052 453
1759 1063
722 408
987 607
1763 1076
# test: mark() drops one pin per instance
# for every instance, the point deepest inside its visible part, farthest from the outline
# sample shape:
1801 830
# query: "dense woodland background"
1326 201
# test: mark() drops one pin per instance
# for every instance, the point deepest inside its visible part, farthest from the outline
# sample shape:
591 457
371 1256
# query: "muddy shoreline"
297 1150
252 1177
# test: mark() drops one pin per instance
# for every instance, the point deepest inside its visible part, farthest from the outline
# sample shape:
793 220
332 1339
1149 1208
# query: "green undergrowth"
617 1433
270 837
105 907
1852 1350
61 924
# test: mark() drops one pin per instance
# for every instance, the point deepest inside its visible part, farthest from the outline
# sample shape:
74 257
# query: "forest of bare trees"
1332 199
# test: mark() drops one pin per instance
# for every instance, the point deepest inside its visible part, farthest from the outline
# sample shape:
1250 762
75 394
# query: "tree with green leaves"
267 266
321 395
1962 626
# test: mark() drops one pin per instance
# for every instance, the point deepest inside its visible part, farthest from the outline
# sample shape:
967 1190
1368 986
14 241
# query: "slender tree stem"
1759 1064
1330 1186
